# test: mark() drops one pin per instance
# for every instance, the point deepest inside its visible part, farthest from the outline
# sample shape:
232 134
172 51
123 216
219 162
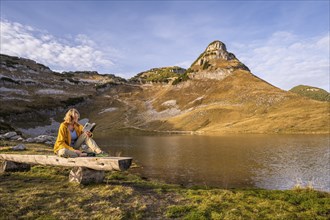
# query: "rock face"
31 93
216 50
215 63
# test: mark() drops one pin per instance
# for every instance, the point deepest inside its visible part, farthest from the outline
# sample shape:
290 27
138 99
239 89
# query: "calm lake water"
244 161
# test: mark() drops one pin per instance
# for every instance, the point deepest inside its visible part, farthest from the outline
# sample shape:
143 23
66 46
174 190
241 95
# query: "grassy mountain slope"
241 103
312 92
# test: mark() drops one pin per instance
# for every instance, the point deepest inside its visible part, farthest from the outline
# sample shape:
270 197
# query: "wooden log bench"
85 169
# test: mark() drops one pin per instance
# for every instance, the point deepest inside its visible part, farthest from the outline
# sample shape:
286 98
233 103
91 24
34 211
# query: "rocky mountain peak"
215 63
217 50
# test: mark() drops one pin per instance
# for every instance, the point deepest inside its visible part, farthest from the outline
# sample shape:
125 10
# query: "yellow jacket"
64 137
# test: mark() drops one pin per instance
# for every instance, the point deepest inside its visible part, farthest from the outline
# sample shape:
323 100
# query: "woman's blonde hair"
69 116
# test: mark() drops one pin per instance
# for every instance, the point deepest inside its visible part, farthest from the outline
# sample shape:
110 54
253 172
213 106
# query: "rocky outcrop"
13 64
28 88
215 63
215 50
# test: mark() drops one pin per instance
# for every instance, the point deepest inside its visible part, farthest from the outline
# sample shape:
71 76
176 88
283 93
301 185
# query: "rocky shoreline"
14 136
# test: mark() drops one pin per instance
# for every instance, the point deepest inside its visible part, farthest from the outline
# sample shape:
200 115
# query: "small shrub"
181 78
177 211
105 85
73 101
6 79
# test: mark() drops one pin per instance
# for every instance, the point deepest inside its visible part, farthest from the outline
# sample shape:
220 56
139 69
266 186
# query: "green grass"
181 78
312 92
158 75
45 193
252 204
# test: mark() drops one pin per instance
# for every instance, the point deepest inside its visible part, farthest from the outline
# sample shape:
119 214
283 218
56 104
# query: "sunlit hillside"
217 94
241 103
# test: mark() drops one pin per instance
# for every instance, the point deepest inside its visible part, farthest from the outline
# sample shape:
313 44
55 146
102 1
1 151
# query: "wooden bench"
85 169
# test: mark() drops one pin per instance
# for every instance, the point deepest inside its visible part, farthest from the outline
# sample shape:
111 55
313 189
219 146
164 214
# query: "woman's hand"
80 154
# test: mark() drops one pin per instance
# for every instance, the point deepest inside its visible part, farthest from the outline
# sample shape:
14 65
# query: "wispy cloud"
184 64
287 60
79 53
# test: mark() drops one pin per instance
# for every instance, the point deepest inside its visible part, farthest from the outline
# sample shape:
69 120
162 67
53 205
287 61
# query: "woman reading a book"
71 136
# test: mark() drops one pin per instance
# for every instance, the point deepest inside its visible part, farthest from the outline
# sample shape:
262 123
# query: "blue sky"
283 42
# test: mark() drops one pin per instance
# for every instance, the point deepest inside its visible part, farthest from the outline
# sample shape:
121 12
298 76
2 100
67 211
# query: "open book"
89 127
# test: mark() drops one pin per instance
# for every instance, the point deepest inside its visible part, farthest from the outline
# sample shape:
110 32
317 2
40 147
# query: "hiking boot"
102 154
91 154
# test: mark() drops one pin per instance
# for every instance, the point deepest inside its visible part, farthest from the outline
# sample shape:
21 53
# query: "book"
89 127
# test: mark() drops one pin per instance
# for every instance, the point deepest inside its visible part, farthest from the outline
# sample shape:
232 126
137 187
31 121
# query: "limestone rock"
216 50
9 135
16 138
30 140
19 147
215 63
44 138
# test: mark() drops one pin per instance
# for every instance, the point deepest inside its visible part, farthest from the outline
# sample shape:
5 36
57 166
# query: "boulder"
44 138
19 147
9 135
30 140
16 138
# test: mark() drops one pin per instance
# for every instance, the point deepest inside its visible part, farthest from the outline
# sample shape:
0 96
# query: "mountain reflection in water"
233 161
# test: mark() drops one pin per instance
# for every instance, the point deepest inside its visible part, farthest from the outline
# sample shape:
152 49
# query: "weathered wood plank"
96 163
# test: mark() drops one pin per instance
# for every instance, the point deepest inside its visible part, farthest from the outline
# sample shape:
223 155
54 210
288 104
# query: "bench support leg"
10 166
83 175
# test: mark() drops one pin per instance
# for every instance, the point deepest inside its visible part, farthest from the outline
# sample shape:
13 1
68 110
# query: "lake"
231 161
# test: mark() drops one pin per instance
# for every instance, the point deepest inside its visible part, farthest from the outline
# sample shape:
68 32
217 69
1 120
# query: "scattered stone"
15 138
9 134
19 147
44 138
169 103
29 140
49 143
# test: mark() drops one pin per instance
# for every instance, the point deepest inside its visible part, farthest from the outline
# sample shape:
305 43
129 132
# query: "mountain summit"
215 63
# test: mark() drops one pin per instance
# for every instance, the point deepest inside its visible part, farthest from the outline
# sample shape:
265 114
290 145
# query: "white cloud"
25 41
184 64
287 60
